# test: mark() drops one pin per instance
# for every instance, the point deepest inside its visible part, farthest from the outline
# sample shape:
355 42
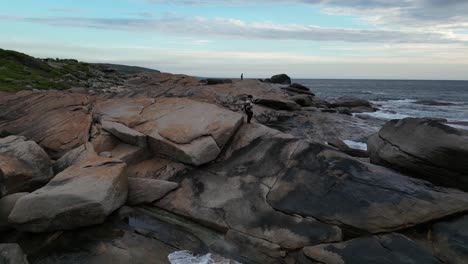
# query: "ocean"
396 98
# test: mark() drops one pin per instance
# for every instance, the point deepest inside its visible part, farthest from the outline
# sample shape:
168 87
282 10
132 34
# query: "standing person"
248 108
242 77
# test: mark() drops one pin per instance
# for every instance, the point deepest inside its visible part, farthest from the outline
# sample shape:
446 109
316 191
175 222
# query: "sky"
358 39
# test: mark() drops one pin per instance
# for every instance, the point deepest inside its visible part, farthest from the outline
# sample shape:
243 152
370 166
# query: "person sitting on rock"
248 108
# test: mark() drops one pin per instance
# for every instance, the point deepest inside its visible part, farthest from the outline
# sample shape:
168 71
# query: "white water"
186 257
399 109
355 145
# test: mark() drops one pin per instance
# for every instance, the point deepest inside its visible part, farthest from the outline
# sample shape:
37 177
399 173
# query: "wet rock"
385 249
299 86
345 111
303 100
278 104
82 195
12 254
146 191
450 240
75 156
424 148
25 165
6 206
57 121
297 91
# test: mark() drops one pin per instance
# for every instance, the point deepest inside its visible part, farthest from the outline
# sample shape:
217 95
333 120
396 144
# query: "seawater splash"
186 257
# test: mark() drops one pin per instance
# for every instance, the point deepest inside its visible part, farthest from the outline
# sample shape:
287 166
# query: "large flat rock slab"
424 148
182 129
358 195
265 178
385 249
231 195
82 195
57 121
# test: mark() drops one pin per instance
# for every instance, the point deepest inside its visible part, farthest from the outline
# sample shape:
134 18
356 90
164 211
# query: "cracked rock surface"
424 148
386 249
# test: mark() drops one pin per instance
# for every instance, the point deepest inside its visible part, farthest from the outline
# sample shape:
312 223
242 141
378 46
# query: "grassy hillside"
19 71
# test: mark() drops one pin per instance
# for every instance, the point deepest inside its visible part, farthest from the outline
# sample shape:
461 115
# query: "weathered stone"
12 254
258 250
125 134
2 184
82 195
212 81
232 193
303 100
339 144
156 168
25 165
280 79
278 104
128 153
185 130
450 240
75 156
146 191
424 148
105 154
386 249
6 206
359 196
57 121
101 244
102 140
298 91
299 86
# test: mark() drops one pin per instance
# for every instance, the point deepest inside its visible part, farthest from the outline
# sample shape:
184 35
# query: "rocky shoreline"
165 163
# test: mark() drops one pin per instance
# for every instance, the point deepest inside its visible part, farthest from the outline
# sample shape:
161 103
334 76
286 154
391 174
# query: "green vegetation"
19 71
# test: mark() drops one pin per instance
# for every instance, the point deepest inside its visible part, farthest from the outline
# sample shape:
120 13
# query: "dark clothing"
248 109
249 116
242 77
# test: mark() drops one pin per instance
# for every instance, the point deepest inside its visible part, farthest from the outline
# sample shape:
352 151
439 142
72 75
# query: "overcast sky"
377 39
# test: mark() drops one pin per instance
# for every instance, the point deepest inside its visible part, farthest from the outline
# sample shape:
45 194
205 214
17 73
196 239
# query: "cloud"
407 13
67 10
232 28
